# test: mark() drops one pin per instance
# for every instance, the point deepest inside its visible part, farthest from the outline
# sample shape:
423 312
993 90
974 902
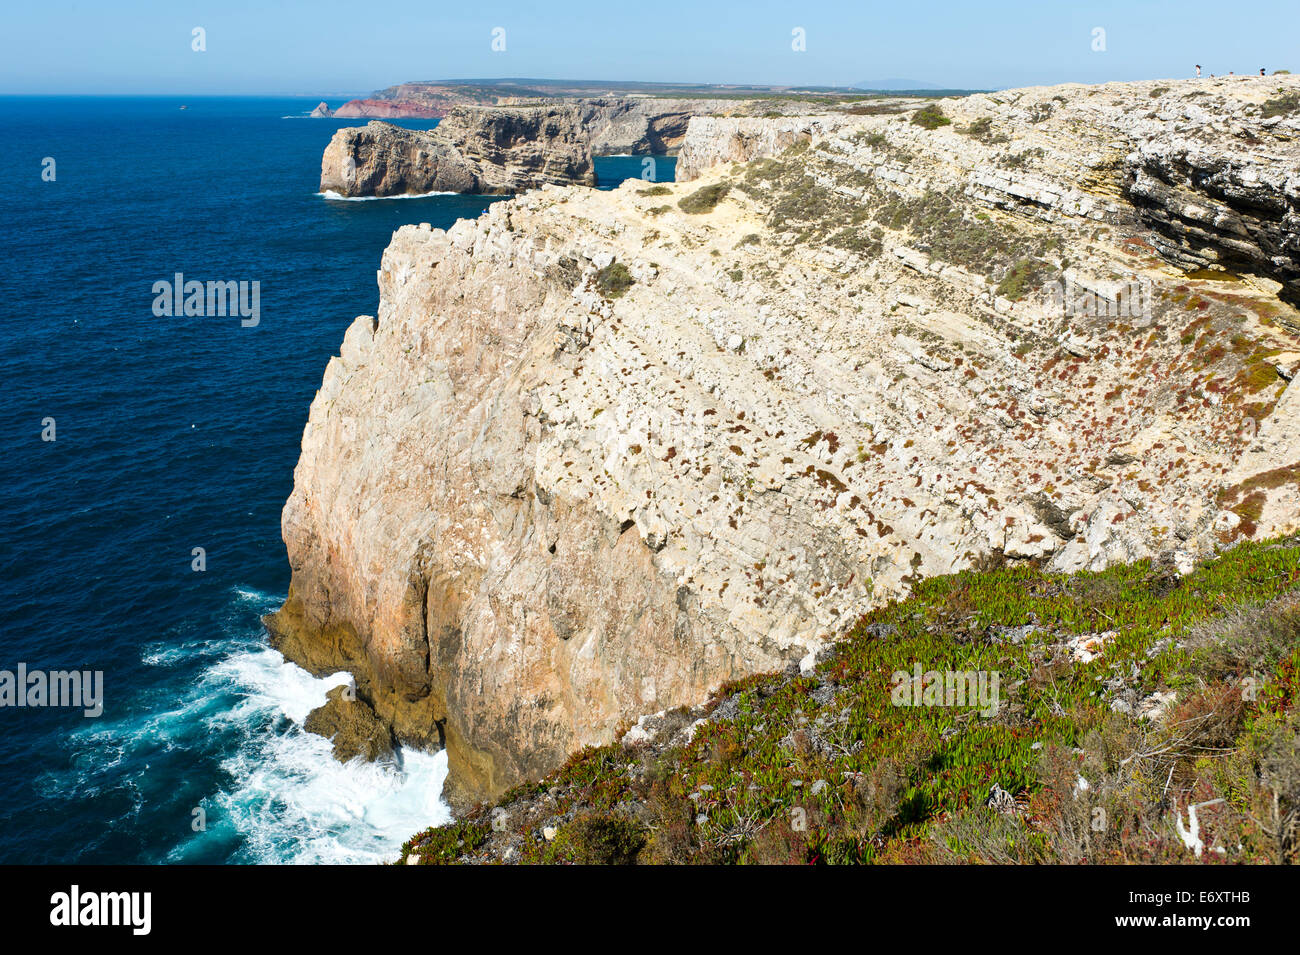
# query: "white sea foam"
338 197
288 797
283 798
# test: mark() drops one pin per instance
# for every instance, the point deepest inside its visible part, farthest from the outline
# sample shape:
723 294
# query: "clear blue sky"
329 47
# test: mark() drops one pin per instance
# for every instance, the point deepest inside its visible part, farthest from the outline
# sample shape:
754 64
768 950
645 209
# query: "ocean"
172 434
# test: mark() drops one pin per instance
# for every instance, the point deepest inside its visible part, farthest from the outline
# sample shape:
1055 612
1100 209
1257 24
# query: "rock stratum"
630 125
601 452
425 99
485 150
521 144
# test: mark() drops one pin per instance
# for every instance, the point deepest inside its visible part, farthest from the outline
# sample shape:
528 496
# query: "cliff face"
479 150
599 454
528 142
424 100
712 140
389 109
654 125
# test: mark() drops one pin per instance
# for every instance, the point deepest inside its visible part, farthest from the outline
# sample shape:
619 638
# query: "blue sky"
327 48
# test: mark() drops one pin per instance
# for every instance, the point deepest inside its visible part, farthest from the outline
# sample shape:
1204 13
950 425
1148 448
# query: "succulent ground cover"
1123 697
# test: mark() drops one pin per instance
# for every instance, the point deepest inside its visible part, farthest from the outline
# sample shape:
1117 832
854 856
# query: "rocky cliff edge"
602 451
484 150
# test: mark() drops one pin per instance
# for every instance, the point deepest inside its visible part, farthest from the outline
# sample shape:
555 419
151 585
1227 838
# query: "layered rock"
629 104
489 151
652 125
432 100
598 455
381 159
712 140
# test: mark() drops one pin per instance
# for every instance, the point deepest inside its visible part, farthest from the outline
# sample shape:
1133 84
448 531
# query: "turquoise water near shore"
172 434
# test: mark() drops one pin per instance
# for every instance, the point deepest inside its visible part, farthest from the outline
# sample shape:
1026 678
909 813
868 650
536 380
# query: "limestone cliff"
711 140
388 109
641 125
484 150
598 454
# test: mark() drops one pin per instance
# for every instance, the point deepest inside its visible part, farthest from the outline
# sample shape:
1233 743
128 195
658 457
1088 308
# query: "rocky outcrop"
483 150
488 150
597 454
322 111
645 125
389 109
712 140
1239 210
352 726
630 105
640 126
431 100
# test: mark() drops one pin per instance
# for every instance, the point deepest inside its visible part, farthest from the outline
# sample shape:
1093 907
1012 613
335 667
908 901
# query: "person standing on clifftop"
1198 71
1261 71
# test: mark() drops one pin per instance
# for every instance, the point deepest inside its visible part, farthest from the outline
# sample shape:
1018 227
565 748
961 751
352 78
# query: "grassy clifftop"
1005 715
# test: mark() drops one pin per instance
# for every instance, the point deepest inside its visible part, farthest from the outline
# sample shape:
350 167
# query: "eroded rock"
490 151
353 727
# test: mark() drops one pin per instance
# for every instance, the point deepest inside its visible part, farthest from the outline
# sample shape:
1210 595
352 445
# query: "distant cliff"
601 452
489 151
389 109
434 98
426 100
641 125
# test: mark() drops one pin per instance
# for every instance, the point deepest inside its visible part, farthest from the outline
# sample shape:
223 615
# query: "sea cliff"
601 452
485 150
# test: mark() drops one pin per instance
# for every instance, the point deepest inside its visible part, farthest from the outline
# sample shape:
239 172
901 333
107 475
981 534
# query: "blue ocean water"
173 434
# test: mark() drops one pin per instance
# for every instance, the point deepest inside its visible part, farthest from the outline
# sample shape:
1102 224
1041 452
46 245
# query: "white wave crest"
288 798
338 197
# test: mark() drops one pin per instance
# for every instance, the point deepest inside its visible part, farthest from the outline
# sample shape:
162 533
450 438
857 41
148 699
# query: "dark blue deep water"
172 434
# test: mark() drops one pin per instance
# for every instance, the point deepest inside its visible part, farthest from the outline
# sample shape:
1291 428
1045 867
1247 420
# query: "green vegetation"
614 280
930 117
1022 278
1283 105
937 222
1080 762
982 130
660 190
705 199
444 845
875 109
938 226
1021 159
